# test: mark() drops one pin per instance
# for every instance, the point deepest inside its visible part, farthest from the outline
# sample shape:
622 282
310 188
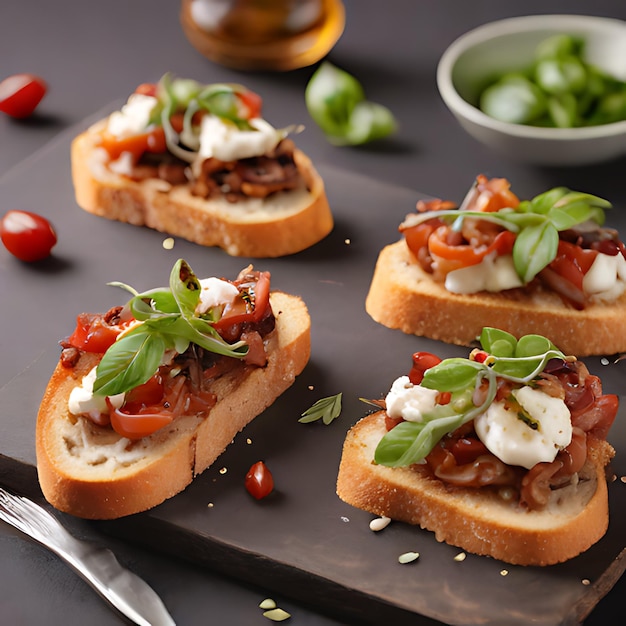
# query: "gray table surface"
94 53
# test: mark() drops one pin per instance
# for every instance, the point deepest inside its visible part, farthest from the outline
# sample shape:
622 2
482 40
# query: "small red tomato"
20 94
259 481
27 236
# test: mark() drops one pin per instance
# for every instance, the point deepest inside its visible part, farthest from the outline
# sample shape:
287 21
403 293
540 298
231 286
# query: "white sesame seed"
461 556
268 603
379 523
276 615
408 557
168 243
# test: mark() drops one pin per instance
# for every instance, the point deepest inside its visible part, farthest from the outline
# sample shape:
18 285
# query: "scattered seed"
347 242
223 470
345 519
461 556
277 615
586 581
311 387
210 505
504 572
248 441
379 523
604 361
268 603
168 243
408 557
623 479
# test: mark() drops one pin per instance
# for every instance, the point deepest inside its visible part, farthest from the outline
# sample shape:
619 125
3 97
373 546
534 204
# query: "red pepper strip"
464 255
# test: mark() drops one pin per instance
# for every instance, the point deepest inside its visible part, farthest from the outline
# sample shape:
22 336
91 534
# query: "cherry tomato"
28 236
422 361
259 481
238 311
93 334
252 102
20 94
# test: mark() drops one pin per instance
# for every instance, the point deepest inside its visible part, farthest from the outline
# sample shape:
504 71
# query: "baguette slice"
92 472
282 224
403 296
476 520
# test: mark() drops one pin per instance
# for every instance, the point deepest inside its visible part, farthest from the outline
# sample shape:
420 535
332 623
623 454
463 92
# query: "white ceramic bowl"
508 45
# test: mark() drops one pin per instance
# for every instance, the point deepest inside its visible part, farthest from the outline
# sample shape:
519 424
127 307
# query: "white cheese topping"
409 401
134 116
223 140
215 292
514 441
491 274
83 401
605 274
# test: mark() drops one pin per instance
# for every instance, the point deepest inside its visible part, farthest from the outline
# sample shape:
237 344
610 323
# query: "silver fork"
128 593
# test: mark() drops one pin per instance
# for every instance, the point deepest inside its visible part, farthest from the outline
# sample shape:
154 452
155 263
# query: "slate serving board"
302 540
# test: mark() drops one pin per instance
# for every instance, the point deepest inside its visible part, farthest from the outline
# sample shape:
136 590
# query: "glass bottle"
278 35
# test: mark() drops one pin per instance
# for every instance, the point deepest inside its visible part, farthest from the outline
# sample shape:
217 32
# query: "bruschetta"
502 454
146 396
547 266
201 163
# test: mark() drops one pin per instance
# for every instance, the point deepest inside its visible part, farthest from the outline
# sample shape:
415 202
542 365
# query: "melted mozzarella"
491 274
215 292
605 274
409 401
516 442
83 401
223 140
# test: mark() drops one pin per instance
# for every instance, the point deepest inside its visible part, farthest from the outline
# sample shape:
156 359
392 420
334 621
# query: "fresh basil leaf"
129 362
336 102
535 247
497 342
454 374
411 442
327 409
185 288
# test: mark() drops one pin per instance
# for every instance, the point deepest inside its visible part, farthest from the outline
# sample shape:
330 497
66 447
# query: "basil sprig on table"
168 322
336 101
536 222
519 361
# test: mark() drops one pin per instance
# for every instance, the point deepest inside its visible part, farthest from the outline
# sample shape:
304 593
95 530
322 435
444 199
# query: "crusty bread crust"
280 225
403 296
476 520
91 472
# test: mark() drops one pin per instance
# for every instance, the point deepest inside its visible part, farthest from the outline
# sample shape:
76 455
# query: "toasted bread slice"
477 520
91 472
403 296
281 224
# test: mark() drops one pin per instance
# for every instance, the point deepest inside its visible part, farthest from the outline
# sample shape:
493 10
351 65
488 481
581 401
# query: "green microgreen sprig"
188 96
327 409
519 361
536 223
168 321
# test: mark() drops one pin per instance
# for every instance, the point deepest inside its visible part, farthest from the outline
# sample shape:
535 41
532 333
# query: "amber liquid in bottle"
276 35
